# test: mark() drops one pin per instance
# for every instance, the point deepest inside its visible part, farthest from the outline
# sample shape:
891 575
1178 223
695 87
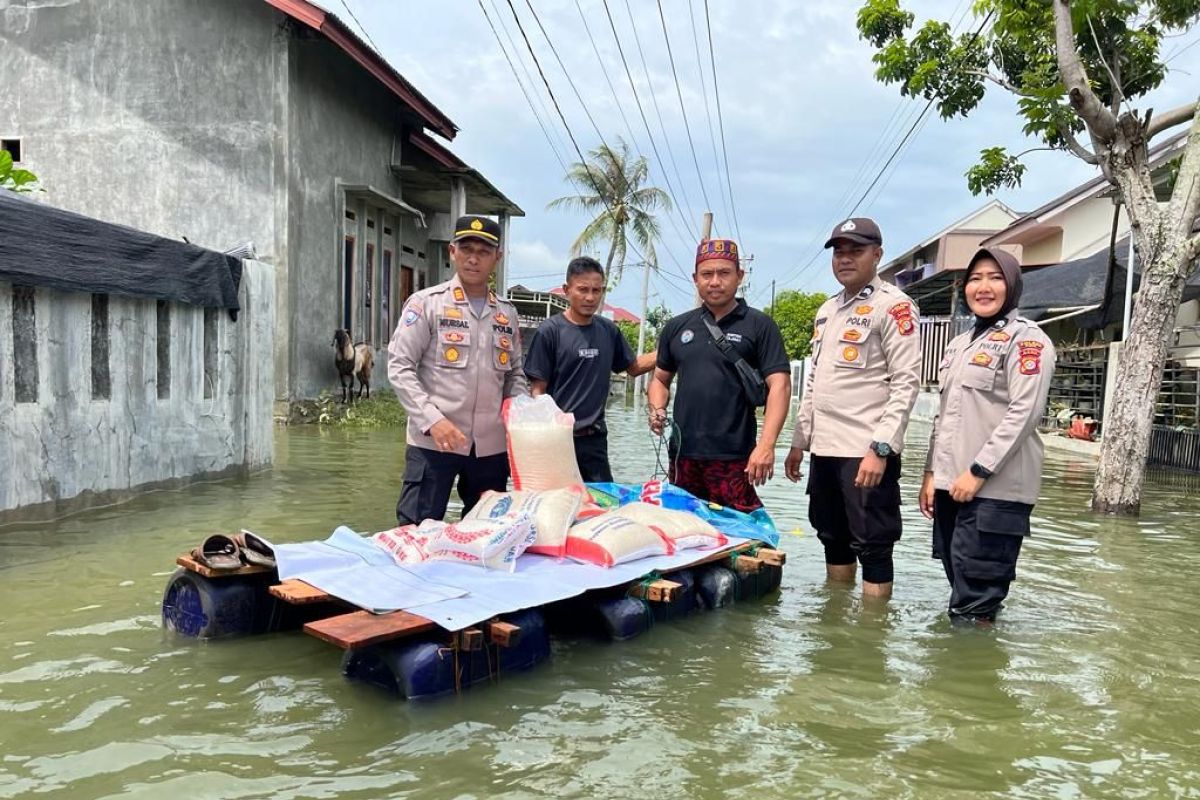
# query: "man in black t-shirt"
571 358
716 457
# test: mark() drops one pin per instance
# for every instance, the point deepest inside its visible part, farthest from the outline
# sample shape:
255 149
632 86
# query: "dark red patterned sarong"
721 482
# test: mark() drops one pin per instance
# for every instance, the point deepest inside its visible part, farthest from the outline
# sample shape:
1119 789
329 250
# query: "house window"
211 319
101 376
163 346
348 281
25 344
369 286
385 295
13 146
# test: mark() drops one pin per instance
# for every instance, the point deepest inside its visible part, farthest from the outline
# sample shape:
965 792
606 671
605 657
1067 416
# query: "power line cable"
721 123
683 108
528 100
641 111
370 41
578 94
712 134
658 111
628 127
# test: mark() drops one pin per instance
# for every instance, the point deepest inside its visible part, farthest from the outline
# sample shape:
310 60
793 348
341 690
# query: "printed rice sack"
492 543
685 530
610 539
541 444
551 513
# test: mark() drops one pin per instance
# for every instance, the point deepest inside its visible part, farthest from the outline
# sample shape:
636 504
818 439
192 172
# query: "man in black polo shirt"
572 357
716 457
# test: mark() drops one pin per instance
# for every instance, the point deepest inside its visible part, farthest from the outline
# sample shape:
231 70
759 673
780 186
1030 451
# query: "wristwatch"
980 472
881 449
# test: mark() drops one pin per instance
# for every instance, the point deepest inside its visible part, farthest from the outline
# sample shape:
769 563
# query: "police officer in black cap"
453 359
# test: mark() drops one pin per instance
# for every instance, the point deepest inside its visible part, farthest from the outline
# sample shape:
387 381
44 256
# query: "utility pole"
639 384
705 235
772 299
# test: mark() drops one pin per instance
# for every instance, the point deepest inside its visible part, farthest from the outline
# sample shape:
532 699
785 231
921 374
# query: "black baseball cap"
862 230
473 226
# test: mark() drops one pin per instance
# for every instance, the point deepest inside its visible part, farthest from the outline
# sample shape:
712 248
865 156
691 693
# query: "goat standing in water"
352 360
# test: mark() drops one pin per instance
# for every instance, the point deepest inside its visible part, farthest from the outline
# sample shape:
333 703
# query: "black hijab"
1011 268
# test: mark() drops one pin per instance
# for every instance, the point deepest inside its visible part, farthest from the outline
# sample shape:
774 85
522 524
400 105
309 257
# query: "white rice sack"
490 543
685 530
551 513
541 444
610 539
404 544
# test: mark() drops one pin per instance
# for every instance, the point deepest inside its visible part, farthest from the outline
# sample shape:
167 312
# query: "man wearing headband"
455 356
712 447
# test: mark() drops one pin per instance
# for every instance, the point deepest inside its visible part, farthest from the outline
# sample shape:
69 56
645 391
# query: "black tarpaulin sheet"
45 246
1073 284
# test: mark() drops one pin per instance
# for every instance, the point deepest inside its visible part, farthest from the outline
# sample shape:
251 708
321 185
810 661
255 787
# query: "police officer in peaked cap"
454 357
865 375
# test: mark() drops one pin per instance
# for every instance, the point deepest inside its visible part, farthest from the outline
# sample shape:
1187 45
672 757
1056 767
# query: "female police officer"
984 467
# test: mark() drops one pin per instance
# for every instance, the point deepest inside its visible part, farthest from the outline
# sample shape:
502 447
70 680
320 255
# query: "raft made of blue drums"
413 657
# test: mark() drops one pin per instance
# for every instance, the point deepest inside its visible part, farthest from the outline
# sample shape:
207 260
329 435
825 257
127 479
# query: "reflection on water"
1086 688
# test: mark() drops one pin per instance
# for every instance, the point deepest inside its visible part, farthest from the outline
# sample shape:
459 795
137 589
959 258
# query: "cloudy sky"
806 125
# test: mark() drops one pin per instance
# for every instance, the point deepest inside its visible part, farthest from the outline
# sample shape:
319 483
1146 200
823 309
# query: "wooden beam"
747 564
299 593
362 628
659 591
776 558
503 634
469 639
192 565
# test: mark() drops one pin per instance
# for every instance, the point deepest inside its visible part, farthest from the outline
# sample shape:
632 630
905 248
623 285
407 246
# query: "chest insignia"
501 318
452 354
453 313
860 310
982 359
454 337
850 353
503 357
851 335
506 343
999 336
686 336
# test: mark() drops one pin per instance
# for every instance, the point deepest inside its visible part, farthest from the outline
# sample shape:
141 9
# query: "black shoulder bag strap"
753 385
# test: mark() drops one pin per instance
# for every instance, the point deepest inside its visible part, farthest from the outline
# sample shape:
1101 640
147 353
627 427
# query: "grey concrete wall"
348 126
67 444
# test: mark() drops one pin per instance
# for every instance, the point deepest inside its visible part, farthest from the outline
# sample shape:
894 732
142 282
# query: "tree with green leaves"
615 191
794 313
1076 67
655 319
15 180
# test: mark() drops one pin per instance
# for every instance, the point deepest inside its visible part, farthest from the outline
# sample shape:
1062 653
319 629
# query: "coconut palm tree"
614 188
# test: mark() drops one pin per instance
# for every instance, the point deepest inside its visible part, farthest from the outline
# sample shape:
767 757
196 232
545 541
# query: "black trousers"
591 454
429 475
978 544
855 523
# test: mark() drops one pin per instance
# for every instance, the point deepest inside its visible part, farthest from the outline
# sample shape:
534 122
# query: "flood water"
1088 687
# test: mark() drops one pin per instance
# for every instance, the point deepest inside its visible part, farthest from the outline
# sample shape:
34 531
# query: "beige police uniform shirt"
866 372
993 394
444 361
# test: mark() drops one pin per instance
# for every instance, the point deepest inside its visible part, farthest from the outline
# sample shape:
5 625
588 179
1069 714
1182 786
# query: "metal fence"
1174 448
936 333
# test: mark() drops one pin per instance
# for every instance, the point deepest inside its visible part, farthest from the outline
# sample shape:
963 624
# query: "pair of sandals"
222 553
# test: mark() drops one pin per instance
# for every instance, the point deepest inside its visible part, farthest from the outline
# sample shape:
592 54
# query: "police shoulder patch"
412 314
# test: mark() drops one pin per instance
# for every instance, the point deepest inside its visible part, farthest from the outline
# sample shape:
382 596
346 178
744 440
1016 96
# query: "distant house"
226 121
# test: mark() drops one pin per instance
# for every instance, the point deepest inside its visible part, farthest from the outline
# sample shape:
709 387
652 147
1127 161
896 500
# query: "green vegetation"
655 319
381 410
21 181
794 313
613 189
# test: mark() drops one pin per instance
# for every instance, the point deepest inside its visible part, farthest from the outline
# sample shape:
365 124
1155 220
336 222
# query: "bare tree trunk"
1128 422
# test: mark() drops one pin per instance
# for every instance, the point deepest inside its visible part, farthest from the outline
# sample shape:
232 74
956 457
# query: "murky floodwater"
1089 687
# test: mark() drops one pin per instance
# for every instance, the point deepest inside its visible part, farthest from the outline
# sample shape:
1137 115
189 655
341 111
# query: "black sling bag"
753 386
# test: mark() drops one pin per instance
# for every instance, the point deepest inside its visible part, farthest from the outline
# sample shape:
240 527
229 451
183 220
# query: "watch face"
882 449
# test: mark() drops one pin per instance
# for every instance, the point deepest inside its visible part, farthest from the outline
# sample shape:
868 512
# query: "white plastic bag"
541 444
685 530
551 512
491 543
610 539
